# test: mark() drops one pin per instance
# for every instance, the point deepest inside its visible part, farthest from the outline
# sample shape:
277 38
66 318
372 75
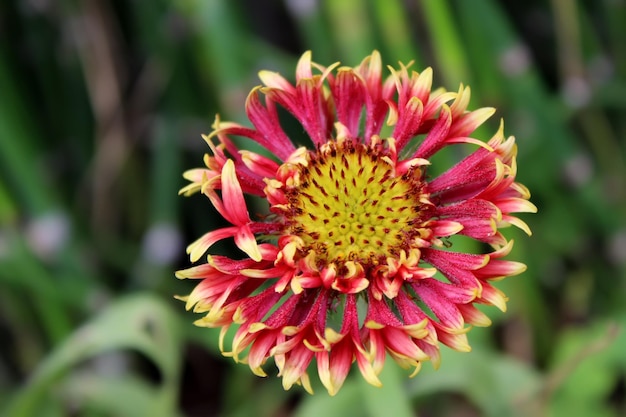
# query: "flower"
353 259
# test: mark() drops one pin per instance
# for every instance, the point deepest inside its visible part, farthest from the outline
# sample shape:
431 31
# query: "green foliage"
101 109
141 323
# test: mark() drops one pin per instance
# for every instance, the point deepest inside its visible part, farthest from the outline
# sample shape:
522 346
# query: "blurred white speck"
162 244
302 8
617 248
515 60
578 170
48 234
576 92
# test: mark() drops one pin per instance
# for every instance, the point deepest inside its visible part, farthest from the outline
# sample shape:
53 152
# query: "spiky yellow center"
350 205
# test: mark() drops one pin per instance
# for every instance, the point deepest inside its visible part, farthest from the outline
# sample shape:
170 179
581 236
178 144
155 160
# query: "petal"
246 241
474 316
275 80
461 101
454 340
468 122
449 316
516 205
303 69
409 122
498 268
436 137
400 343
257 306
259 351
200 246
484 230
517 222
259 164
443 228
493 296
199 271
235 209
269 132
341 358
312 111
477 208
456 267
349 97
466 179
295 367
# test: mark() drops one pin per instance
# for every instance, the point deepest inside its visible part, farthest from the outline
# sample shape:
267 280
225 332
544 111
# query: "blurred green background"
102 104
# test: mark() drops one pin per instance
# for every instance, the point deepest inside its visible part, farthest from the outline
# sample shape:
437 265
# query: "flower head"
353 260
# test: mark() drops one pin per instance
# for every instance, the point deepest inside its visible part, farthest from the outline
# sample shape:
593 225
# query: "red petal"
269 131
246 241
348 93
444 309
200 246
437 135
234 209
409 121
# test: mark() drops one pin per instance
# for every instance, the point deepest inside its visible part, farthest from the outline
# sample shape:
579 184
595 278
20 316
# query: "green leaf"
140 322
347 402
392 399
496 384
587 363
126 396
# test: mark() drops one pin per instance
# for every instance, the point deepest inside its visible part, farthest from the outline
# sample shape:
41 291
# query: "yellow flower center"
349 205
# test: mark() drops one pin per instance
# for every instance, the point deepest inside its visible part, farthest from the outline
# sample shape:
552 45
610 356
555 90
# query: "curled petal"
200 246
